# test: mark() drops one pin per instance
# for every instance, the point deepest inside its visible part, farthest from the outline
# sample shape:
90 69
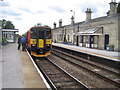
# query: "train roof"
41 27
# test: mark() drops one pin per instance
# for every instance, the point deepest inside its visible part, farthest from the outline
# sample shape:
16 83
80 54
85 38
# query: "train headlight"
47 44
33 44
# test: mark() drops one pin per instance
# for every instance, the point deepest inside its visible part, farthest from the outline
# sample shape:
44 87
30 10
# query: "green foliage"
6 24
110 45
4 39
118 8
38 24
47 26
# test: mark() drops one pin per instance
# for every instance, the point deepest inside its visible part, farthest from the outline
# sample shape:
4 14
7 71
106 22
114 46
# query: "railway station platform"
101 53
17 70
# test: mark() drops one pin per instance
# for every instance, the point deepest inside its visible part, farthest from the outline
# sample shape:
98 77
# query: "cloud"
5 4
25 9
9 12
40 12
57 9
28 10
17 18
93 6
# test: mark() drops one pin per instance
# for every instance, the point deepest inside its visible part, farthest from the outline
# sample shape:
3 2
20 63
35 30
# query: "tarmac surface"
0 66
17 69
12 75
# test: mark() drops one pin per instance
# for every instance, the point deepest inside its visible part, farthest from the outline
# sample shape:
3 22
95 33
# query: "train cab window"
48 35
41 34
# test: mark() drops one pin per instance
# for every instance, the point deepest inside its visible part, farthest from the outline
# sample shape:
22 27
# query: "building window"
68 37
87 39
95 39
81 39
60 37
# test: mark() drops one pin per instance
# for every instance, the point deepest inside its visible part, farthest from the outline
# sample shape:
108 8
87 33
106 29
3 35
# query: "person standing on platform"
19 42
23 41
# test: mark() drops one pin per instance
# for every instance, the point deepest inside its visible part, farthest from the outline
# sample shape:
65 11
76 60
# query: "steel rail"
86 87
101 76
83 60
66 73
40 73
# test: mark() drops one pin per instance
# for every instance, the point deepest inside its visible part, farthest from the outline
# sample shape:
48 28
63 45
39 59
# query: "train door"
106 41
77 41
33 40
48 39
41 37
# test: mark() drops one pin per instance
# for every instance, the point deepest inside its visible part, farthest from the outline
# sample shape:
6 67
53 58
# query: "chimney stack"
72 20
60 23
113 7
88 14
54 24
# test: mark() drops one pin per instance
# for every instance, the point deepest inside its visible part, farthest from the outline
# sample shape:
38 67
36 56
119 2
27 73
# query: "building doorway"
91 40
106 42
77 41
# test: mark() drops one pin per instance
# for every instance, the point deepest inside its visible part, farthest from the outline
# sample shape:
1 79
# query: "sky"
25 14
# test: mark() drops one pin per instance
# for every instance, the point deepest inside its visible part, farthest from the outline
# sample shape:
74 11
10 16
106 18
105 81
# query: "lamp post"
73 14
73 23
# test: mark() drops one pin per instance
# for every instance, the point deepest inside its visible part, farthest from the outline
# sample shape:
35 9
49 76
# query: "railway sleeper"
60 81
55 76
68 84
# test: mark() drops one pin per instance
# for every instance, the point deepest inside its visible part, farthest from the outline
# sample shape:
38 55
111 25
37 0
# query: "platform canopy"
91 31
9 34
10 30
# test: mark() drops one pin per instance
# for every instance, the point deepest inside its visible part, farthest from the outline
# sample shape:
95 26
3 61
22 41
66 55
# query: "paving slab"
103 53
31 77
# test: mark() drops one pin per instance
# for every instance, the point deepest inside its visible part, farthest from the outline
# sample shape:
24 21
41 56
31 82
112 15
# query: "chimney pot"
54 24
113 7
88 14
60 23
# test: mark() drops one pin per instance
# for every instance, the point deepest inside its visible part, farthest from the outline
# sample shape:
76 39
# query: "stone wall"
109 24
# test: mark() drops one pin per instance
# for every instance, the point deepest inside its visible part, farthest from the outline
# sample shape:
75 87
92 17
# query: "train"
39 41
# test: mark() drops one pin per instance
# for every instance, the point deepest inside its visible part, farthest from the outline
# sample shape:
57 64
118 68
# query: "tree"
118 8
47 26
6 24
38 24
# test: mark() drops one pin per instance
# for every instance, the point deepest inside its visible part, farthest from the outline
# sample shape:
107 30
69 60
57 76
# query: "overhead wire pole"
1 14
1 28
1 48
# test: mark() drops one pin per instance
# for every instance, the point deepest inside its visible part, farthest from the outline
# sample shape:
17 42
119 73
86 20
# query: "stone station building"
92 33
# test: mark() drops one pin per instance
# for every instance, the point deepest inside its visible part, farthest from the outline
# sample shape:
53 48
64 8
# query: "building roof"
13 30
90 21
91 31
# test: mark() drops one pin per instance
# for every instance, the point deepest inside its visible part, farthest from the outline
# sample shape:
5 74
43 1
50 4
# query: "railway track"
108 75
58 77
